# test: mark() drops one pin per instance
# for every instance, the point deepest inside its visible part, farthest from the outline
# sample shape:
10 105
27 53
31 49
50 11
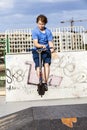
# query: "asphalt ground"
55 117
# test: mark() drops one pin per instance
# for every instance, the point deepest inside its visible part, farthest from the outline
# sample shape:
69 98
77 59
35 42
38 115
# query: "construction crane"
72 22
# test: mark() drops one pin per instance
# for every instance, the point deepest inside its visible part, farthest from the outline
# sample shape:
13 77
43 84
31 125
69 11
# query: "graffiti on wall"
17 75
64 66
68 70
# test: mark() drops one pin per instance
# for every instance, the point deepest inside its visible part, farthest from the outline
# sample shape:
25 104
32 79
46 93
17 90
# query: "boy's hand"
54 55
43 46
53 49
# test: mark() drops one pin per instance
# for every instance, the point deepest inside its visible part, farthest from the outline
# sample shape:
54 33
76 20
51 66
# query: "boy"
42 38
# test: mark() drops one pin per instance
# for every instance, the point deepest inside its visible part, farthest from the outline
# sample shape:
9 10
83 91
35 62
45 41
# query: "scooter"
41 88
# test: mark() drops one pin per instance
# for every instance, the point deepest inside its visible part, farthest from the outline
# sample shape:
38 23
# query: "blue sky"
23 13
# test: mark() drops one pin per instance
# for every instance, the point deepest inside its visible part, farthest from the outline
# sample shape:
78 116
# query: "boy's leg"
36 61
38 71
46 72
46 62
43 74
46 75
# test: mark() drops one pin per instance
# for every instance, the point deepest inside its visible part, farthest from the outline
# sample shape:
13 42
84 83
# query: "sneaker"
39 86
45 87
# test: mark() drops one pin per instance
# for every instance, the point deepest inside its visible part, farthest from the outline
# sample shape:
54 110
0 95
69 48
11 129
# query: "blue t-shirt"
43 38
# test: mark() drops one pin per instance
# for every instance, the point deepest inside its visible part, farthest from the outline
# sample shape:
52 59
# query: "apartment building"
18 40
2 47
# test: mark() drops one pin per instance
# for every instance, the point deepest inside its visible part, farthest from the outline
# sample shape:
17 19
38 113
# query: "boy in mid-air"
42 38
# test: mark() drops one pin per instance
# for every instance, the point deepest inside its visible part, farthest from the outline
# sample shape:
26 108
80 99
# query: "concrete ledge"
2 67
62 117
2 93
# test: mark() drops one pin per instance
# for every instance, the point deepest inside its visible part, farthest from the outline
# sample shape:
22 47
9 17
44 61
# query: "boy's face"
41 25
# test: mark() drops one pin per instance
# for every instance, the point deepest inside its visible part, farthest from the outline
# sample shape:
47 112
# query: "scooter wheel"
41 90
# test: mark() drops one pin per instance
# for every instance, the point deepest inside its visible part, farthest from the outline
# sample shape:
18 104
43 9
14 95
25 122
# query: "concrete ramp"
68 77
64 117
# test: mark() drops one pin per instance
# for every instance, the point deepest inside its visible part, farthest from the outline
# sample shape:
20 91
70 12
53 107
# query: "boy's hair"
42 18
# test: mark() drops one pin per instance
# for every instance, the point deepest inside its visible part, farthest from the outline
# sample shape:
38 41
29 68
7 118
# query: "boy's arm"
36 44
53 52
35 40
51 45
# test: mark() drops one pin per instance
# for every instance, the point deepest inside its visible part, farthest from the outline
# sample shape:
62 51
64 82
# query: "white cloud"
58 0
25 12
52 1
5 4
78 14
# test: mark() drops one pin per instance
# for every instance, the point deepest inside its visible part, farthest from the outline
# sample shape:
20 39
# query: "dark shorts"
45 57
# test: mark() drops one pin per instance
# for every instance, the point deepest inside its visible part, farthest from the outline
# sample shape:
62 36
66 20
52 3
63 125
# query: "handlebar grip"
39 49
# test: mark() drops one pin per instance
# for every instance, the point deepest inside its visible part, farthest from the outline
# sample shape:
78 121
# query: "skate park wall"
68 77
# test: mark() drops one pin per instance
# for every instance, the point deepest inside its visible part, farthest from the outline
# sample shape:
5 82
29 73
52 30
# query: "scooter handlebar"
40 49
